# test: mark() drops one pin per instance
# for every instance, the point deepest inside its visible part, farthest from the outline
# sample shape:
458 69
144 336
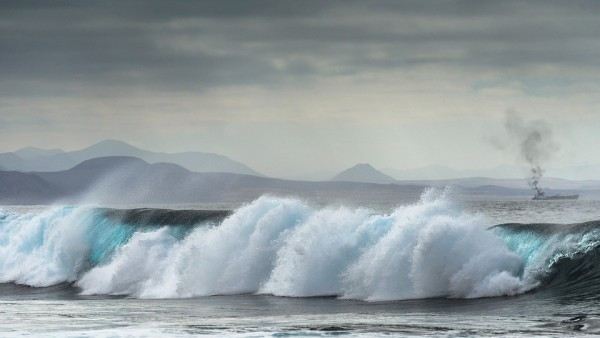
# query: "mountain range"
116 172
35 159
440 172
130 180
364 172
133 181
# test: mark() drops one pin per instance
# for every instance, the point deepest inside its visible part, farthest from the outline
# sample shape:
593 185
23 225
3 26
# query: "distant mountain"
10 161
29 153
130 180
18 188
501 176
34 159
476 182
440 172
363 172
125 180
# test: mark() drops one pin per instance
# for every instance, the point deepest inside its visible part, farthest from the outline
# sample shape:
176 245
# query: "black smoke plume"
535 143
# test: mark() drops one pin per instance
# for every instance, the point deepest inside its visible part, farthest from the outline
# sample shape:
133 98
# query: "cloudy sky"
300 87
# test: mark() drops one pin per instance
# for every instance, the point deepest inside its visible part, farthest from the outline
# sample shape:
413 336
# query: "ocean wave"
286 247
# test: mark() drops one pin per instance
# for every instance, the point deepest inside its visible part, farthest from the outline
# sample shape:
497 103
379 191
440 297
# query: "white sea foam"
42 249
285 247
273 245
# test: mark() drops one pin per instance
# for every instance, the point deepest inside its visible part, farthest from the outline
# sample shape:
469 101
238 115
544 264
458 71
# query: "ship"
541 196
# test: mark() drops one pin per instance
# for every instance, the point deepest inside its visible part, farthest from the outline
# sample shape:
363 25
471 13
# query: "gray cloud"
66 48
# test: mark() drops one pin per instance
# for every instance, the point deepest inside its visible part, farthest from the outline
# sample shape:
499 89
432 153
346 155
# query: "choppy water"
280 267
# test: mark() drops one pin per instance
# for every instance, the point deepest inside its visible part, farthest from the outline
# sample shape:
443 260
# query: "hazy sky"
292 87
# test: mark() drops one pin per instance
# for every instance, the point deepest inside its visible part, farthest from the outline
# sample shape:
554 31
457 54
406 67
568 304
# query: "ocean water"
285 267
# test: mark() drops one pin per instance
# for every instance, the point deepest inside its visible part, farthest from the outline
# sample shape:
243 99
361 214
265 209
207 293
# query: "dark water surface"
59 311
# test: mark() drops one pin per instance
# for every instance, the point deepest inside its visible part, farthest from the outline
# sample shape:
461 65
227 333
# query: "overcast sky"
296 87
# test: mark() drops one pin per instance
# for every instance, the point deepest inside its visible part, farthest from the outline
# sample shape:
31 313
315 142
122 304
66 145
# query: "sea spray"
42 249
234 257
434 250
287 247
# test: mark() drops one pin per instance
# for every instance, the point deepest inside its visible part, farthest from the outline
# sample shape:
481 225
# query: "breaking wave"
286 247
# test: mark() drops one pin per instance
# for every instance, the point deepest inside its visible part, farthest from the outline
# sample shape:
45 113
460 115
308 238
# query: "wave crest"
285 247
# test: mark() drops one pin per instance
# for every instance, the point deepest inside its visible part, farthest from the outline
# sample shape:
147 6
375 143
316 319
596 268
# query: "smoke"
535 144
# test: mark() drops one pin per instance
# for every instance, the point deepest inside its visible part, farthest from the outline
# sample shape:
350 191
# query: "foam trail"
284 247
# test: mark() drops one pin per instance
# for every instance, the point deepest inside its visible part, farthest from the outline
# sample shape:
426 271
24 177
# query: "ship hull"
555 197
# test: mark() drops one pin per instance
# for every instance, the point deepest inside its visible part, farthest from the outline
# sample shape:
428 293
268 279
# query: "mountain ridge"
128 180
363 172
36 159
